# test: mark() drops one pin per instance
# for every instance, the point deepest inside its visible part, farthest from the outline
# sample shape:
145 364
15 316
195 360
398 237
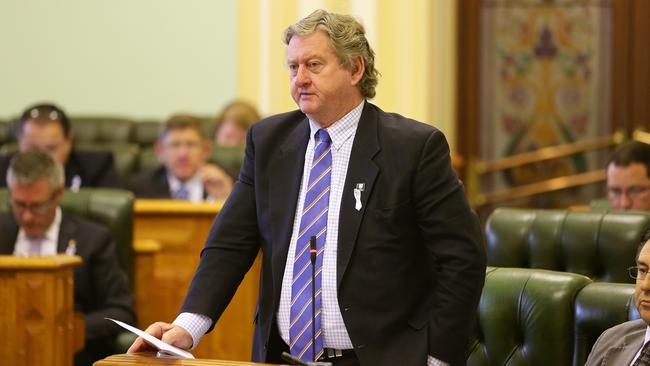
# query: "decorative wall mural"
545 82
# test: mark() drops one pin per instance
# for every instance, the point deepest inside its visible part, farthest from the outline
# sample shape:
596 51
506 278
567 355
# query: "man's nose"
626 201
302 76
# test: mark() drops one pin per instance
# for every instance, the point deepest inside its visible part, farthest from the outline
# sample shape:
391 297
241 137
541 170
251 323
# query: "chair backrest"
112 208
101 129
526 317
600 306
597 244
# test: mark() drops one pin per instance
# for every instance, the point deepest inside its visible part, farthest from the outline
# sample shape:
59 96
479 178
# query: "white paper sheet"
163 348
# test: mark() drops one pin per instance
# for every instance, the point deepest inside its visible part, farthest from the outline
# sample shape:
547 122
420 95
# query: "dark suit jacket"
95 168
410 264
101 288
618 345
150 184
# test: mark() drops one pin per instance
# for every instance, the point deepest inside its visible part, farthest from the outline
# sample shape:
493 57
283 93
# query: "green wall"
139 58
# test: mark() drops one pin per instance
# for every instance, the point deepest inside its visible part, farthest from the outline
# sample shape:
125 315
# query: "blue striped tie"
312 223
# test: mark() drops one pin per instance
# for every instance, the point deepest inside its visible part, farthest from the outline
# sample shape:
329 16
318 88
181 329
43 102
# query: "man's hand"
216 181
168 333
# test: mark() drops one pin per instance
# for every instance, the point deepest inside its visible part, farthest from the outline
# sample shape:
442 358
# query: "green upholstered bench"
598 244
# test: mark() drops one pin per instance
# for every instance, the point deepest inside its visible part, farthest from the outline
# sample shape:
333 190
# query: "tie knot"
323 136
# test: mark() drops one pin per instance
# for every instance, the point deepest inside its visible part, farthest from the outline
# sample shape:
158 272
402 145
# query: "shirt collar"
342 129
175 183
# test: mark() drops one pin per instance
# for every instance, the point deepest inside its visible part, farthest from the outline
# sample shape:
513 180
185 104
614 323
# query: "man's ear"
158 149
358 68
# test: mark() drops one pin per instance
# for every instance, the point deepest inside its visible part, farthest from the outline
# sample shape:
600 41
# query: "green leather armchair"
597 244
540 317
525 317
101 129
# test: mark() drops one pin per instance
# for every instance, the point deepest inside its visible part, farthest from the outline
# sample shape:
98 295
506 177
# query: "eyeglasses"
638 273
632 192
37 208
190 145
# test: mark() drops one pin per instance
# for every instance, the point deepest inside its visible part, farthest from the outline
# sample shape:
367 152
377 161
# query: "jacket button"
361 346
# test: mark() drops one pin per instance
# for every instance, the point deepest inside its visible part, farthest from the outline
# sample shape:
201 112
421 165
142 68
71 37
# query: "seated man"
628 177
628 343
183 151
47 128
38 227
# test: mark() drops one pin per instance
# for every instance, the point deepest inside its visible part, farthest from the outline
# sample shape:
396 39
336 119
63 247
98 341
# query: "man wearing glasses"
38 227
629 343
183 152
628 177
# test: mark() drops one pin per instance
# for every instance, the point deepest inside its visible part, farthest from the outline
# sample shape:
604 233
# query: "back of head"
42 114
31 166
243 114
348 40
181 122
632 152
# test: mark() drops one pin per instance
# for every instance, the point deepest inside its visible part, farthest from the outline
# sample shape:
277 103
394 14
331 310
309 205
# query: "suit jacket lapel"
67 232
284 188
361 169
8 233
624 354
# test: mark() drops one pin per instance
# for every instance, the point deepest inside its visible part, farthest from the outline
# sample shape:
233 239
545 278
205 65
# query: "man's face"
321 86
628 187
642 289
183 152
230 134
34 206
48 137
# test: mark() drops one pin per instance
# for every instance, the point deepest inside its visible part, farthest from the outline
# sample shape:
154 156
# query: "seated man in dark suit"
629 343
38 227
46 127
183 152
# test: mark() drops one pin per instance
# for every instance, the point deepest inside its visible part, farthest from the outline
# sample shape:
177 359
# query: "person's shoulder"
615 334
281 120
92 155
85 225
396 121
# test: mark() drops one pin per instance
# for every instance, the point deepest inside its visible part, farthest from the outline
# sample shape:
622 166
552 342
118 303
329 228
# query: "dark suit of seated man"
629 343
183 152
46 127
38 227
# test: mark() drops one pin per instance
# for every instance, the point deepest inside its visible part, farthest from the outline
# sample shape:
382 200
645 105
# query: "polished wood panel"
150 359
37 321
181 228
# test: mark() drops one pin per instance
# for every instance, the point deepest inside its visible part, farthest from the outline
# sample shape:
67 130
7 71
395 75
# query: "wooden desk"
181 228
149 359
37 321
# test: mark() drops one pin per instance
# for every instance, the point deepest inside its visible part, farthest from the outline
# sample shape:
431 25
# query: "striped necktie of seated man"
182 193
644 357
306 338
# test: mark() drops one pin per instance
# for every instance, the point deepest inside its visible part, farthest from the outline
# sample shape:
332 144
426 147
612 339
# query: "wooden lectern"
151 360
37 321
181 228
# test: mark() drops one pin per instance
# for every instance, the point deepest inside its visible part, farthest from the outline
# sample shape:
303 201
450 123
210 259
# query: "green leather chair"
101 129
600 306
526 317
597 244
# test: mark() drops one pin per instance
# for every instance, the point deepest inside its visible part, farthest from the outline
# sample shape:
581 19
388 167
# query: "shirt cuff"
432 361
195 324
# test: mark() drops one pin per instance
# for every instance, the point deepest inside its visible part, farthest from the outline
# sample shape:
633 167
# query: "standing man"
38 227
399 266
629 343
183 152
46 127
628 177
